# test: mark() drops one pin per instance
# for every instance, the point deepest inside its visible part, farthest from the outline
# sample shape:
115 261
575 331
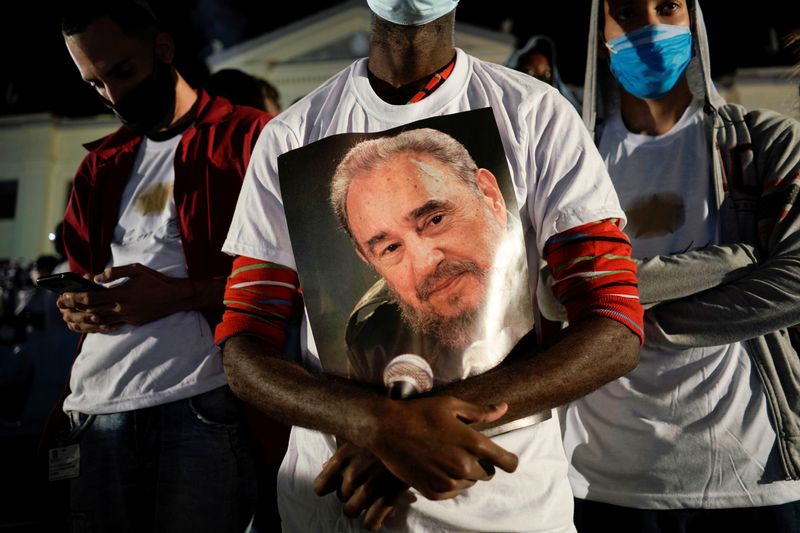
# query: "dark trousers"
598 517
180 467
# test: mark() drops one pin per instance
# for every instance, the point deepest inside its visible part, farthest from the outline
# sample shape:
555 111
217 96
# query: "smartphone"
68 282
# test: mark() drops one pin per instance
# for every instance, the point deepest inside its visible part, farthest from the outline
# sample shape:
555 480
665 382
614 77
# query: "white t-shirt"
686 428
560 182
165 360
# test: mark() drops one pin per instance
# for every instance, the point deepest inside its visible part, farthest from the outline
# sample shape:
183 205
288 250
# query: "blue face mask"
411 12
649 61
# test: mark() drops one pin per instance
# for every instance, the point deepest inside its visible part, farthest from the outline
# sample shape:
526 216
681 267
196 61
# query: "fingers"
385 507
101 314
105 313
347 470
479 414
360 469
112 273
469 469
104 276
83 300
491 453
61 301
73 300
91 328
330 478
376 514
86 322
377 488
487 466
363 484
363 501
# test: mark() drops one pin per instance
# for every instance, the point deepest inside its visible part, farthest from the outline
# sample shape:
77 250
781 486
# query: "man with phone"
160 442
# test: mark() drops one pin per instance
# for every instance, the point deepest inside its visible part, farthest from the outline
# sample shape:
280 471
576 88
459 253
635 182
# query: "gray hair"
368 155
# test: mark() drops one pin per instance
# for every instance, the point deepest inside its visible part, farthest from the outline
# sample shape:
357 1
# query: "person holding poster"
373 447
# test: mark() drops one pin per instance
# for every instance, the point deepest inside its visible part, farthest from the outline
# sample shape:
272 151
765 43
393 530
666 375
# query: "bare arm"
588 355
427 443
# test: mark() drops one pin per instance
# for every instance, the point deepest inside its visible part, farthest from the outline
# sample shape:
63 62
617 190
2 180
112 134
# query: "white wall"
766 88
42 154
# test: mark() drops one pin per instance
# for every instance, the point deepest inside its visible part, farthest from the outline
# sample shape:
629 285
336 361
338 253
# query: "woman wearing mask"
703 435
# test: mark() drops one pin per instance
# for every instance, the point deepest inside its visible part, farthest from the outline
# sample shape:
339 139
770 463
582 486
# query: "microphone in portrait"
407 375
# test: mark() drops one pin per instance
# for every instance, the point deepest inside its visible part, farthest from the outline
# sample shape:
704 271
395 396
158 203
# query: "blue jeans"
177 467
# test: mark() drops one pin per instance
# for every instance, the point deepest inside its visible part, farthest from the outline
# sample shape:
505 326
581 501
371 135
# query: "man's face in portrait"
431 236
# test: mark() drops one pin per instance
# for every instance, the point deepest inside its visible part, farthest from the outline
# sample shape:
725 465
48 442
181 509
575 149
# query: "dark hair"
237 86
45 264
134 17
269 90
370 154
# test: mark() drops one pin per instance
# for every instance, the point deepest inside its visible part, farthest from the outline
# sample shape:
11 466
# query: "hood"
544 45
600 90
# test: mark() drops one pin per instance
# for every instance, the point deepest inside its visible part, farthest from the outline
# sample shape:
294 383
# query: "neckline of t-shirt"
152 145
402 113
688 116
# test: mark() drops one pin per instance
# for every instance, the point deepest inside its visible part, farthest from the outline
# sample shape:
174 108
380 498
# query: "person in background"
244 89
704 435
538 59
160 435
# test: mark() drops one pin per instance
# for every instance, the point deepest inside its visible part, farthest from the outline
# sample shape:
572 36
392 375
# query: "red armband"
593 273
261 299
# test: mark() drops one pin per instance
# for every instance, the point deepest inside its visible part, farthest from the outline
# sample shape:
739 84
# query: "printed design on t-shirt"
461 317
154 199
170 231
655 215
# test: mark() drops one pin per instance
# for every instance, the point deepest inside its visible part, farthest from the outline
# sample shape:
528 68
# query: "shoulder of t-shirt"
302 113
516 86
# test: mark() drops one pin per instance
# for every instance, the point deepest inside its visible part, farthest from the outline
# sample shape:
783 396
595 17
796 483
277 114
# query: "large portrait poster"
408 243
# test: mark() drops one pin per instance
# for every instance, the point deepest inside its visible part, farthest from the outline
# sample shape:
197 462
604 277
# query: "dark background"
37 75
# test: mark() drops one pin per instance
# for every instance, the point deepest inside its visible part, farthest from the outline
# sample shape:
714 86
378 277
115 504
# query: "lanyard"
435 81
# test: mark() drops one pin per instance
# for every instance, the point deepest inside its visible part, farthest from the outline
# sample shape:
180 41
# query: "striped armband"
593 273
262 299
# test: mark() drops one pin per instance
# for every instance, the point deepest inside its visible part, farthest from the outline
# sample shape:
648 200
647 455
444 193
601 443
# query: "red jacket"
210 164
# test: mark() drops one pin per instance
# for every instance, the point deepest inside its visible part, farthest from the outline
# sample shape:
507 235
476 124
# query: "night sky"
37 74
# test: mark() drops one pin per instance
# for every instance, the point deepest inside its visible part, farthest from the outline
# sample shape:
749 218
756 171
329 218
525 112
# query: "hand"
363 485
75 314
146 296
428 444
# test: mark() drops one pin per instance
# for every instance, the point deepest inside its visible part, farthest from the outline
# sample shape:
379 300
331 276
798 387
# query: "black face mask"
150 106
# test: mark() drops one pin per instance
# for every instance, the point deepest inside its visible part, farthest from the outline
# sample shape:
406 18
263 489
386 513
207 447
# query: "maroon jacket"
210 164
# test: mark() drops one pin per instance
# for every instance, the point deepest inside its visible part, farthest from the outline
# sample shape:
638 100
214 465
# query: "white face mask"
411 12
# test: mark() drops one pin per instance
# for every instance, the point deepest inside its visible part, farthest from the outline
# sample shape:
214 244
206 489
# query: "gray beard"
454 332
